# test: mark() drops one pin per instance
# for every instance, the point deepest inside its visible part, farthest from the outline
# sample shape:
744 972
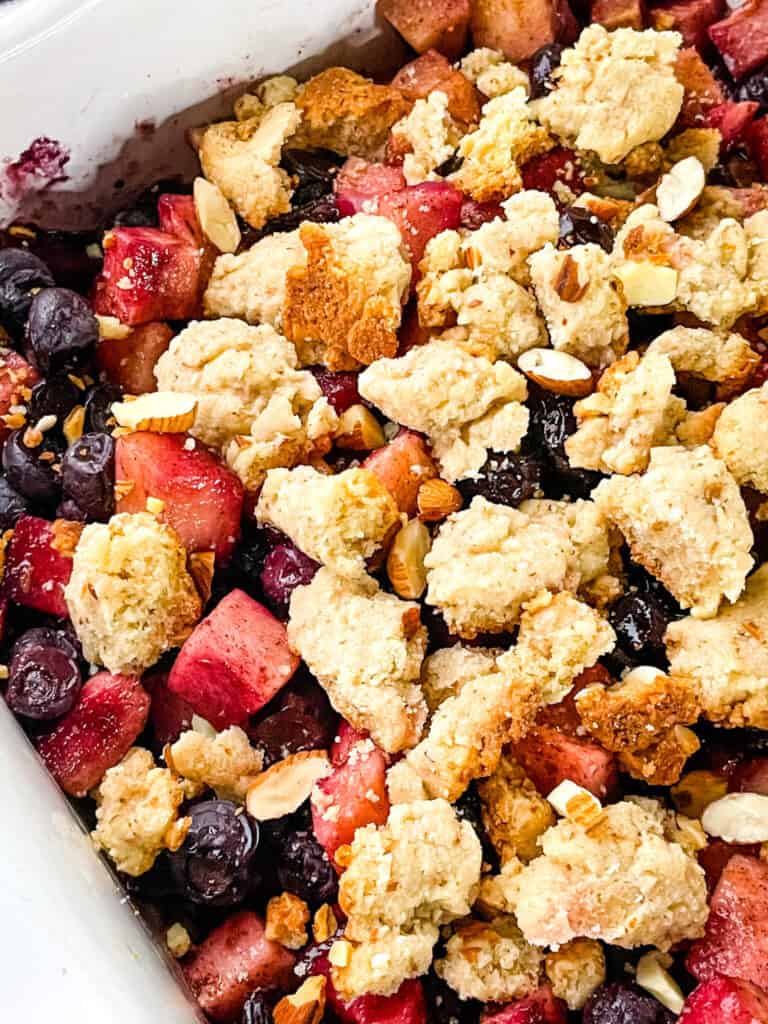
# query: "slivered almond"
556 371
165 412
111 329
284 787
647 284
680 188
123 488
576 803
359 430
437 499
653 976
305 1006
201 566
405 561
216 216
738 818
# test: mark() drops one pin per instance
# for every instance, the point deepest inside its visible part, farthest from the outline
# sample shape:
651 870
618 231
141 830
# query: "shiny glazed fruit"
543 63
98 407
12 506
578 226
27 473
303 867
339 388
44 681
61 330
88 475
285 569
640 623
621 1003
54 396
20 274
505 479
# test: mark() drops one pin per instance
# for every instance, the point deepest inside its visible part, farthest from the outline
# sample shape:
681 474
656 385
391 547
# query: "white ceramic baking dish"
86 73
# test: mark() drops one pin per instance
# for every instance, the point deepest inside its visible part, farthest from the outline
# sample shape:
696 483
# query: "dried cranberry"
285 569
339 388
288 732
624 1003
88 475
551 420
580 227
61 329
21 274
506 479
543 63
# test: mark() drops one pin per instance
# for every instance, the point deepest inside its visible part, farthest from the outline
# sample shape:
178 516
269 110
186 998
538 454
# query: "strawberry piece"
751 777
742 37
353 795
346 738
17 376
411 333
177 216
402 466
234 661
691 18
421 212
474 214
232 961
549 757
129 362
518 29
169 714
564 716
541 1007
38 563
432 72
702 89
406 1006
359 184
203 499
557 165
724 1000
148 275
618 13
757 139
109 714
716 855
736 937
440 25
732 120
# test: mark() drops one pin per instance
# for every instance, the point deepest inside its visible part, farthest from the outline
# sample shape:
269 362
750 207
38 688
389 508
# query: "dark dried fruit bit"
21 273
285 569
578 226
12 506
640 622
506 479
61 330
55 396
98 407
543 63
320 211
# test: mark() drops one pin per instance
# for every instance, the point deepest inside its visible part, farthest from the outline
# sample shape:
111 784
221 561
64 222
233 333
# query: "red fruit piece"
353 795
406 1006
751 777
691 18
732 120
402 466
550 757
519 29
421 212
474 214
16 378
557 165
618 13
148 275
702 89
430 24
736 938
346 738
359 184
203 499
234 662
540 1007
725 1001
411 333
757 139
110 713
742 37
432 72
169 714
38 563
130 362
339 387
232 961
716 855
177 216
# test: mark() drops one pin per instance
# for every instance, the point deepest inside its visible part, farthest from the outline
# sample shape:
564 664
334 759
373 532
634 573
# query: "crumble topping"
492 74
721 358
515 815
740 438
575 970
490 961
428 135
226 761
446 671
130 596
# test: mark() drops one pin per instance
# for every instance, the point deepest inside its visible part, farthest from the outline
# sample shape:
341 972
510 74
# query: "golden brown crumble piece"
575 970
490 961
514 813
286 920
740 438
226 762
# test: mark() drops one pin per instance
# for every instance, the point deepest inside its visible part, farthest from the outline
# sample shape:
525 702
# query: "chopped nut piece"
576 803
514 813
324 924
405 561
437 499
680 188
556 371
358 430
110 328
284 787
575 970
66 536
201 569
164 412
286 920
738 818
652 975
178 940
647 284
74 424
305 1006
216 216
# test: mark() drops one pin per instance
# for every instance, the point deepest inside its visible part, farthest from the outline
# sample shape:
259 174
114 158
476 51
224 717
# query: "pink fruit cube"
543 172
203 499
234 662
232 961
732 120
169 714
421 212
716 855
618 13
751 777
474 214
757 138
736 938
406 1006
549 757
359 184
691 18
725 1001
432 72
430 24
177 216
38 563
130 362
519 29
17 376
742 37
541 1007
403 466
110 713
346 738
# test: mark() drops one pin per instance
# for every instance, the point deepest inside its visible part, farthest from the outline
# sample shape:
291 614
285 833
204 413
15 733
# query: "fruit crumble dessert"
385 527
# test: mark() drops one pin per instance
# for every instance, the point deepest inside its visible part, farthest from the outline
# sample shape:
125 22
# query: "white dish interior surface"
86 73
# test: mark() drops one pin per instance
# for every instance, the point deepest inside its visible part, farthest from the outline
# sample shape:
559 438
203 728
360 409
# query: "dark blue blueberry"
61 330
303 867
44 676
624 1003
88 475
640 622
469 808
543 63
506 479
12 506
755 88
445 1006
21 273
54 396
98 407
29 474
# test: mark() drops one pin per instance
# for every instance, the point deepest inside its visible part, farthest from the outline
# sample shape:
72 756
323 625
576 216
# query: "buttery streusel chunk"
722 358
429 134
226 762
740 438
492 74
575 970
366 648
685 522
490 961
447 670
514 812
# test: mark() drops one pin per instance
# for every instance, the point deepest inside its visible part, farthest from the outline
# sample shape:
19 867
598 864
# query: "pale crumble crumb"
492 73
727 657
286 920
614 91
447 670
404 784
130 596
178 940
685 522
740 438
267 94
502 246
721 358
623 881
381 964
490 961
338 520
429 134
137 812
226 761
575 970
698 426
498 893
515 815
366 648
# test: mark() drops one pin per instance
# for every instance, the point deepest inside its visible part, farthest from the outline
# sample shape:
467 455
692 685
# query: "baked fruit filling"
384 528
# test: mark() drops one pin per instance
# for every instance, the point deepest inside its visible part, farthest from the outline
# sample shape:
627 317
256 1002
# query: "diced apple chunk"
430 24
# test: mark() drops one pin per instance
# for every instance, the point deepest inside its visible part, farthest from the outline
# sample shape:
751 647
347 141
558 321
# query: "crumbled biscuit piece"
506 138
514 814
286 920
740 438
136 812
727 657
343 304
225 761
130 596
703 143
253 403
632 411
492 74
465 403
699 426
342 111
614 91
404 784
685 522
638 720
268 94
584 309
624 881
428 135
403 881
338 520
498 893
446 671
575 970
490 962
366 648
720 358
243 157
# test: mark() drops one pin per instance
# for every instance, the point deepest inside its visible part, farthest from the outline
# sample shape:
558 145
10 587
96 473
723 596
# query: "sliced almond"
216 216
112 329
305 1006
738 818
165 412
556 371
284 787
653 976
359 430
405 561
437 499
647 284
576 803
680 188
201 567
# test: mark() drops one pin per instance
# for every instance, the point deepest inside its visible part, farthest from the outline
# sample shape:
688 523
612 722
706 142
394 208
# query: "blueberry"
285 569
289 732
21 273
579 227
755 88
213 866
29 474
640 622
88 475
61 329
469 808
98 407
543 63
69 509
445 1006
303 867
44 676
624 1003
551 420
48 636
55 396
506 479
256 1010
12 506
317 167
